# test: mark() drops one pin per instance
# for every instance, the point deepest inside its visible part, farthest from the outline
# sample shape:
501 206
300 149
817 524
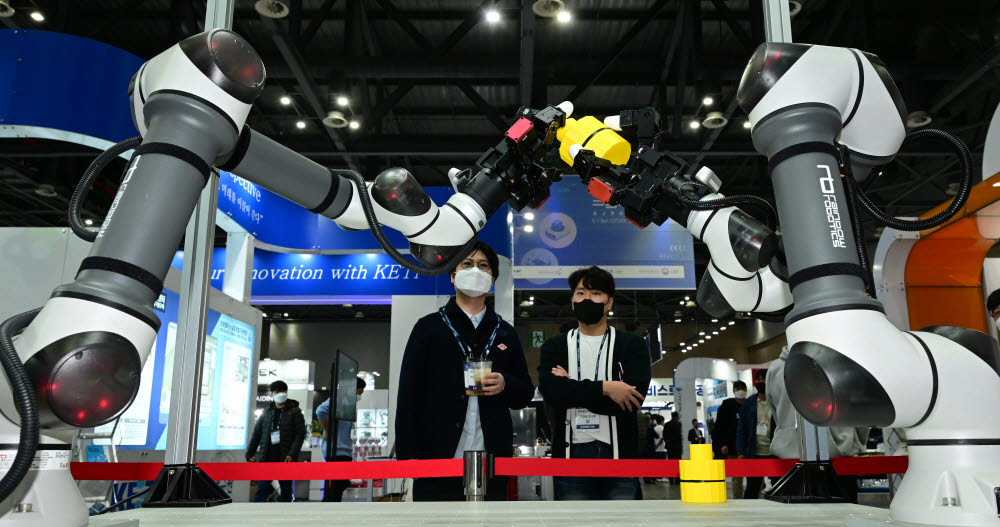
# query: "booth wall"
366 342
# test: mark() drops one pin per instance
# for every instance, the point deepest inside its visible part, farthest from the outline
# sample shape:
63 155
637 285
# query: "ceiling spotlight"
342 101
687 299
746 124
6 11
682 343
37 16
723 328
695 345
335 119
707 101
701 341
88 221
529 228
285 100
715 320
715 120
715 332
271 8
682 302
684 350
492 16
263 314
694 125
530 216
611 313
46 191
531 298
677 320
731 322
355 125
300 124
732 360
564 16
708 337
913 120
286 314
794 8
701 333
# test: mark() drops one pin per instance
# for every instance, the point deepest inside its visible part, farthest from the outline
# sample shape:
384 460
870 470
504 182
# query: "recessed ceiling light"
746 124
611 313
300 124
715 320
37 16
530 216
723 328
707 101
731 322
285 100
355 125
564 16
687 299
715 332
286 314
677 320
701 332
88 221
708 337
702 341
529 228
492 16
694 125
342 101
682 343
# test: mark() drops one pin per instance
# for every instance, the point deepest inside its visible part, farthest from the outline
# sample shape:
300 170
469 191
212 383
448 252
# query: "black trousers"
334 490
754 485
452 489
675 453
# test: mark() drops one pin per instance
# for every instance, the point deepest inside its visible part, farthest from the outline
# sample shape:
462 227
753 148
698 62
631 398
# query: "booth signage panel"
276 221
327 278
573 230
37 66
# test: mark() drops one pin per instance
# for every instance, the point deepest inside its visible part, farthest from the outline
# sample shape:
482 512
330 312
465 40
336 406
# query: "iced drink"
474 373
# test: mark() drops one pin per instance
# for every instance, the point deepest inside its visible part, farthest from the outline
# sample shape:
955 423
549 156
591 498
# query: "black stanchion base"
809 482
185 486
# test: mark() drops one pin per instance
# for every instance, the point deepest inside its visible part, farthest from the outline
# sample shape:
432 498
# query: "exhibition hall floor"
745 513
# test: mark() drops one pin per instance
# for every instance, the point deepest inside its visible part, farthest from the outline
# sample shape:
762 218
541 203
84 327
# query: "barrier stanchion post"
477 474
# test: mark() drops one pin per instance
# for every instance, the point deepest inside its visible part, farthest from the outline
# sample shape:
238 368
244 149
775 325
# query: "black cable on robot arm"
376 229
964 189
24 397
83 188
730 201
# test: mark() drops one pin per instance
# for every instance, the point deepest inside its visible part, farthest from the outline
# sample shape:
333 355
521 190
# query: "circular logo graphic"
536 259
558 230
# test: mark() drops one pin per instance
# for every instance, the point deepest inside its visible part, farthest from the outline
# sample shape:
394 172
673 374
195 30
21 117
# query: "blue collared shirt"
345 445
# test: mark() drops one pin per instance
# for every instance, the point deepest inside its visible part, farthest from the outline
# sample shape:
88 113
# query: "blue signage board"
286 278
572 230
64 82
276 221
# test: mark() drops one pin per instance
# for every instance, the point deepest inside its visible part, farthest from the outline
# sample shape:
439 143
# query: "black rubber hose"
83 188
123 501
733 201
854 209
24 399
376 228
964 188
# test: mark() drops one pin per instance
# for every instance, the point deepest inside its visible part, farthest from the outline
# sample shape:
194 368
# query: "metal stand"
813 480
478 470
185 486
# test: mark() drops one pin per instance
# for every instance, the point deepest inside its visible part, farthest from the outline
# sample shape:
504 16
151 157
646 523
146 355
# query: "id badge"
470 376
588 421
763 429
276 437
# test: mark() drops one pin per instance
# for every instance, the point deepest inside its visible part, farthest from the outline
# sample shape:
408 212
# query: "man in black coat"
672 433
435 418
593 380
277 436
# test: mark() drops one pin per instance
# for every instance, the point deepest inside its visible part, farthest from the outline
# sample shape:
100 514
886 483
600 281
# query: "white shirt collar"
477 318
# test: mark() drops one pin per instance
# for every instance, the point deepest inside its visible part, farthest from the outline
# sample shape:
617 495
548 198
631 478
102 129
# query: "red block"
520 130
600 190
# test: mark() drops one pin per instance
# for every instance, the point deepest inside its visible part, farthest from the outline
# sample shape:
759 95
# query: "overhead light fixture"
746 124
548 8
355 125
529 228
708 337
342 101
286 314
611 313
695 345
530 216
682 302
677 320
46 191
682 343
300 124
492 15
6 11
701 333
687 299
715 120
707 101
732 360
335 119
37 16
794 8
531 298
564 16
88 221
285 100
701 341
715 332
731 322
723 328
271 8
917 119
715 320
684 350
694 125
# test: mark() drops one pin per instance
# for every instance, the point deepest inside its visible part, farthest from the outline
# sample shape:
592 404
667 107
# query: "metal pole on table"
477 474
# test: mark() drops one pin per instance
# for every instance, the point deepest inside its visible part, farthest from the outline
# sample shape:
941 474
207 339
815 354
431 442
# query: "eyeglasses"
468 263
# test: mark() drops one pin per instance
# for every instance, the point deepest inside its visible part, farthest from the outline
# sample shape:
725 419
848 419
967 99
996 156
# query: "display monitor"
653 345
344 379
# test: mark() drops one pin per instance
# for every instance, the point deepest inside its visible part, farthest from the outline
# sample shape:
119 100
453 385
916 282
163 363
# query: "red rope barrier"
438 468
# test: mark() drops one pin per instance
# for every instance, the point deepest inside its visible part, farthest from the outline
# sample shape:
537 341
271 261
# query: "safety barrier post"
477 474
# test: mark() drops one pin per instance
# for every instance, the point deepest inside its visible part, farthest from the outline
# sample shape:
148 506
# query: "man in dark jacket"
724 435
277 436
435 418
755 430
695 435
592 380
673 434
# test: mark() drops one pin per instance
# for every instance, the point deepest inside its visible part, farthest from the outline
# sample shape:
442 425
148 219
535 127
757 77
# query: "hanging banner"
573 230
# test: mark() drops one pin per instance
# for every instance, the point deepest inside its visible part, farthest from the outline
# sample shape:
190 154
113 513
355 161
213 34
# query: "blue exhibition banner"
572 230
280 223
282 278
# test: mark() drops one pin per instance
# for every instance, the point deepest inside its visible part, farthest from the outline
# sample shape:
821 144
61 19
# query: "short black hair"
593 277
760 374
675 415
993 301
739 384
279 386
491 257
361 383
694 420
659 418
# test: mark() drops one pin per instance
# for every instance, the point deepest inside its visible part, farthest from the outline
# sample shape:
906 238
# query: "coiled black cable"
852 191
376 228
122 501
83 188
730 201
964 188
24 397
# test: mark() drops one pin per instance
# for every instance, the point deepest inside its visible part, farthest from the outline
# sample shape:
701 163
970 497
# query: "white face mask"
473 282
741 394
280 398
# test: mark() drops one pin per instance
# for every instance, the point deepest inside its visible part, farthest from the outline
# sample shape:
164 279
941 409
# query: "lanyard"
600 350
467 350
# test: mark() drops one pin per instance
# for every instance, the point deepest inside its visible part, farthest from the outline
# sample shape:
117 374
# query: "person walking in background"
334 490
277 436
695 435
724 436
755 430
673 436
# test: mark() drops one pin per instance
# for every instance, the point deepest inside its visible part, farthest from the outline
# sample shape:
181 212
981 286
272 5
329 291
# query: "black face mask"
760 387
588 311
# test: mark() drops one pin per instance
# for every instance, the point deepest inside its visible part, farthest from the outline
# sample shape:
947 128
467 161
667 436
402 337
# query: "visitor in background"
724 435
695 435
277 436
673 436
755 430
334 490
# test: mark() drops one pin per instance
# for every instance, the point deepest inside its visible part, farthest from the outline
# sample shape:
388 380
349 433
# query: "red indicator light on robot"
81 415
52 387
104 403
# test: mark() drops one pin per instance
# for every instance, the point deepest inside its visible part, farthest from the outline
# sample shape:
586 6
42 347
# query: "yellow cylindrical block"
703 480
591 134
